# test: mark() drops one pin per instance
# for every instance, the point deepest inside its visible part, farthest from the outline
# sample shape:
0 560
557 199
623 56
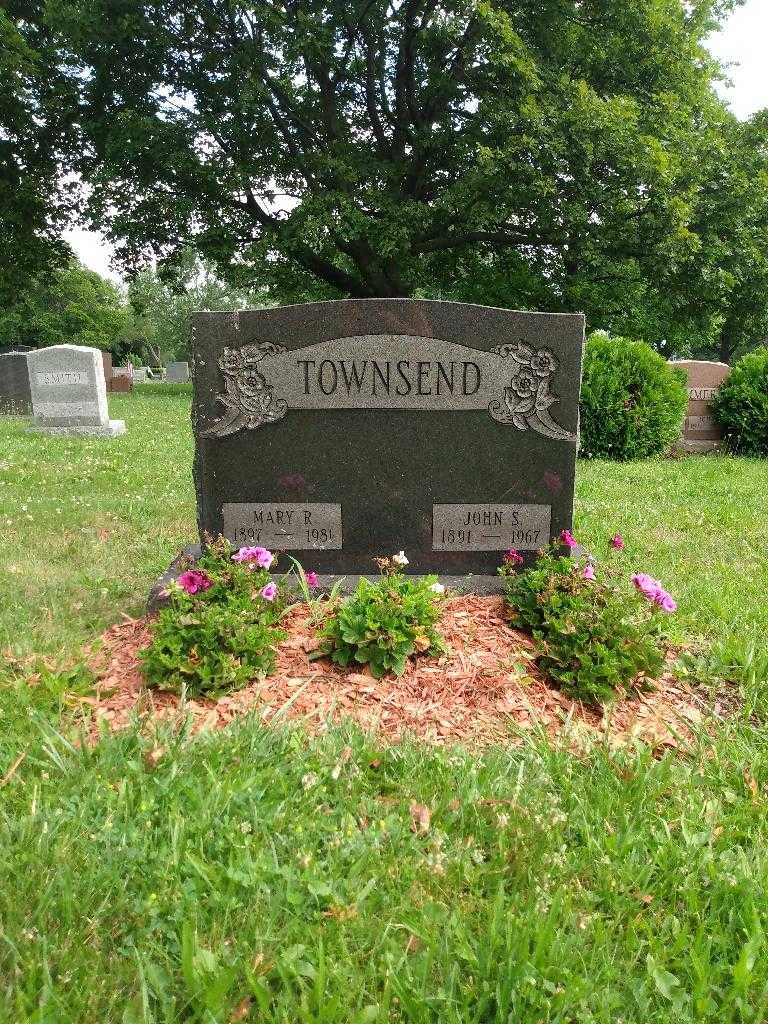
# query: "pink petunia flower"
246 554
513 557
311 578
653 591
617 541
260 556
195 580
568 539
269 591
647 585
589 572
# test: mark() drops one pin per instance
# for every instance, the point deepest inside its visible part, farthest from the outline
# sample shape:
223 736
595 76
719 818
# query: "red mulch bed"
485 690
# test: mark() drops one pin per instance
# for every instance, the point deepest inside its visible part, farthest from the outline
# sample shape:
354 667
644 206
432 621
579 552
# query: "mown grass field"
261 875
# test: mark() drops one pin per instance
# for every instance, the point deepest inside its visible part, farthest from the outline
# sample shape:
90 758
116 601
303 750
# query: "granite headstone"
177 373
69 393
122 378
701 432
15 394
106 359
340 431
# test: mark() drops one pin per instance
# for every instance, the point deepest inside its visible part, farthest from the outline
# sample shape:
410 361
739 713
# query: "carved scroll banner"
516 382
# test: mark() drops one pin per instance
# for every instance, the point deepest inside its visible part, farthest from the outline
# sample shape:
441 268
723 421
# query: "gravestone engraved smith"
15 394
339 431
69 394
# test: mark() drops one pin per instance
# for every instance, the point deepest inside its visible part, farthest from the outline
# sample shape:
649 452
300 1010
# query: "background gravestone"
122 379
701 432
139 374
15 394
177 373
106 360
339 431
69 392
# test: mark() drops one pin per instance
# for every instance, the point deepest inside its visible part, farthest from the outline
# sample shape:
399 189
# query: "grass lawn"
264 876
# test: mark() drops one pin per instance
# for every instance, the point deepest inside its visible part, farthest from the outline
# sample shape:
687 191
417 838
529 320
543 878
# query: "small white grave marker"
69 393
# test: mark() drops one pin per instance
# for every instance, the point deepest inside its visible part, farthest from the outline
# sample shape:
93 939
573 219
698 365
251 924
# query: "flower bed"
485 689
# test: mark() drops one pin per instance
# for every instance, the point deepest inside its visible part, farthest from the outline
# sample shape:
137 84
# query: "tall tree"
68 306
38 113
725 280
358 148
162 304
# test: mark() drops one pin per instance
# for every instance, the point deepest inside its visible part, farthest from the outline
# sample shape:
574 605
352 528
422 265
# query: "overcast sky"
742 43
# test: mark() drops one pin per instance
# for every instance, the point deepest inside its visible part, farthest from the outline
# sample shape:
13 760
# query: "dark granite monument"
15 392
339 431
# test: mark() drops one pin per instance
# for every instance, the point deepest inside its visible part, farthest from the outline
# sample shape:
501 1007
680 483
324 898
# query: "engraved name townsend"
515 382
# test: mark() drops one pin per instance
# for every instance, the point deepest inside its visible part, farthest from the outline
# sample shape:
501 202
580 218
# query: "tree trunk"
727 342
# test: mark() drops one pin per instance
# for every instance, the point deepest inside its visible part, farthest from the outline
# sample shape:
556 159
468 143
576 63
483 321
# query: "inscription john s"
481 527
513 382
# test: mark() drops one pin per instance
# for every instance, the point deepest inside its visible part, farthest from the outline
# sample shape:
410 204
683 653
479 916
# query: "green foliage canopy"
537 151
71 306
38 111
162 304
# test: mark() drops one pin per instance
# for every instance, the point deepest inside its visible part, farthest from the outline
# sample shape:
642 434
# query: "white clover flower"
437 588
400 559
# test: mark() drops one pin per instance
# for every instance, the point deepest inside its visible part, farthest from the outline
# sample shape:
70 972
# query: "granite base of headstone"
15 392
69 393
701 432
477 583
177 373
337 432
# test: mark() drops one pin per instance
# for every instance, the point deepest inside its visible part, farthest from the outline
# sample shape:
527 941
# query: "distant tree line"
539 154
147 322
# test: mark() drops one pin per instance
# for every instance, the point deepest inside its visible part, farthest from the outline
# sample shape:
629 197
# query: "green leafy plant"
385 622
632 401
595 638
741 405
218 630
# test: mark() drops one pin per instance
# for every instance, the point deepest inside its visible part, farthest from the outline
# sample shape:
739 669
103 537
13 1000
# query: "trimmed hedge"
741 405
633 402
